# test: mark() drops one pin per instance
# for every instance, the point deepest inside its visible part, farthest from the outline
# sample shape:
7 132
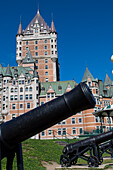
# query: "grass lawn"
35 151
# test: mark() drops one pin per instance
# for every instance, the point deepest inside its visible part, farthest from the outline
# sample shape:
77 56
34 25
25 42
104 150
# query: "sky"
85 33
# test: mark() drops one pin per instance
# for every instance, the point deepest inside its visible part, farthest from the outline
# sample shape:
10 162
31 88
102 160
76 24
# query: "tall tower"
42 43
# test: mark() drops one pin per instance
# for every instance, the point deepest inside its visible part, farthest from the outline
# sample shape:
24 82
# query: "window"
52 52
51 46
36 47
80 130
27 48
45 52
30 89
46 66
51 40
3 98
13 116
64 131
48 95
14 82
11 97
42 103
3 106
64 122
36 96
21 89
30 96
45 41
36 42
49 132
73 120
21 97
80 120
13 106
36 61
22 81
46 79
26 89
28 81
52 95
59 131
26 96
36 67
26 42
21 106
46 73
46 60
43 133
36 53
28 105
16 97
96 119
11 90
59 88
36 87
19 54
73 131
96 91
45 47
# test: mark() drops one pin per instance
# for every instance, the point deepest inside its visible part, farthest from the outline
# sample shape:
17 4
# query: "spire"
38 8
8 72
52 26
28 59
87 75
20 28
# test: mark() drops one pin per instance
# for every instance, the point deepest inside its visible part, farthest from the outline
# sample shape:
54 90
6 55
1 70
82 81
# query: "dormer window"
59 88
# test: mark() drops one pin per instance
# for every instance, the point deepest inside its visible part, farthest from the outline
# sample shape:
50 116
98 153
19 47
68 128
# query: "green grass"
36 151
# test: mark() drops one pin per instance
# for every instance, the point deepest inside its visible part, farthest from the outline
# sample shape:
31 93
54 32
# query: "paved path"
56 166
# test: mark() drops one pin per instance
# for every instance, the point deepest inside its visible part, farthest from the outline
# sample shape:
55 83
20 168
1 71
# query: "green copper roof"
28 59
59 87
87 75
8 72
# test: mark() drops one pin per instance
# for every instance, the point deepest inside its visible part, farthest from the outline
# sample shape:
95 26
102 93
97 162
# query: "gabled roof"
87 75
28 59
59 87
107 80
8 72
41 23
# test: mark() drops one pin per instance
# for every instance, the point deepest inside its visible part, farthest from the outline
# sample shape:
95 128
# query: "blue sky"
84 27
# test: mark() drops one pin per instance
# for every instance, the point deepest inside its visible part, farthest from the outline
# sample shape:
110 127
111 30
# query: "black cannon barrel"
98 139
45 116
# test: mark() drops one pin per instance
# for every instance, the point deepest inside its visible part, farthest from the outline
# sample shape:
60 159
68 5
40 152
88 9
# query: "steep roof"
107 80
37 19
20 28
59 87
28 59
87 75
52 26
8 72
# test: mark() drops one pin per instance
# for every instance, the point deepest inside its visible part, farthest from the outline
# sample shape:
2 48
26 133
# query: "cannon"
95 145
13 132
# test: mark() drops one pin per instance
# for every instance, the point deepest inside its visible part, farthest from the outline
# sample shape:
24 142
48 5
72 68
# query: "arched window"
26 89
30 89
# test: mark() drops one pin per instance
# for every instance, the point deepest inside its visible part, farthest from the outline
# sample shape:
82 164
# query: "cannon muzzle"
45 116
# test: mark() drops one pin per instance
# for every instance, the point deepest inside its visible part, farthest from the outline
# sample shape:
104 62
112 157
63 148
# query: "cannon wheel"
93 161
64 161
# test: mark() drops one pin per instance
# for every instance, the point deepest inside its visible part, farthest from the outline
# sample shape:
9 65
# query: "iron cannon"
13 132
